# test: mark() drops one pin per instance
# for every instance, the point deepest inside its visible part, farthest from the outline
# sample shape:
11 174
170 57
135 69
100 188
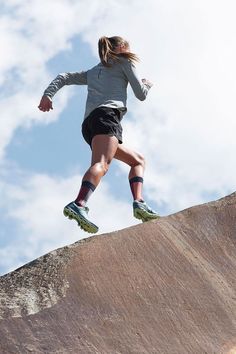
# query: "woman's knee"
139 160
101 167
105 167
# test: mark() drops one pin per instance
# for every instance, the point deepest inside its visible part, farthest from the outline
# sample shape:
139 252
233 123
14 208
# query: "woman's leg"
104 148
137 166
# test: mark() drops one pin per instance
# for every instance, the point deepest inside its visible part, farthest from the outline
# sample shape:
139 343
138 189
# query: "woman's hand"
147 82
45 104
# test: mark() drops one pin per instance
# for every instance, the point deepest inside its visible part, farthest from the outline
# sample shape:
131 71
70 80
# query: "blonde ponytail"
106 50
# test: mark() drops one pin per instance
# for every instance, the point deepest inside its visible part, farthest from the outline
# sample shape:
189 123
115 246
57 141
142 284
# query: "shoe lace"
150 210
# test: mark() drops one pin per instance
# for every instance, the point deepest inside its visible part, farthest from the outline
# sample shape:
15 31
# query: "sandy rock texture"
166 286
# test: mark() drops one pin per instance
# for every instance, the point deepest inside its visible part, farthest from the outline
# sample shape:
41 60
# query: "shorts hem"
102 122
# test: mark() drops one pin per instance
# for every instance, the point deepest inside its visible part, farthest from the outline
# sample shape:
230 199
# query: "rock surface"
166 286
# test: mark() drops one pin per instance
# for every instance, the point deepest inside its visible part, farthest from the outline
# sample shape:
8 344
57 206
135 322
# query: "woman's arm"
139 87
75 78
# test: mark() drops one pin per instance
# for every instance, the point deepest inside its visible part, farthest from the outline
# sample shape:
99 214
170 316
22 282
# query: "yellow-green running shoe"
80 214
143 212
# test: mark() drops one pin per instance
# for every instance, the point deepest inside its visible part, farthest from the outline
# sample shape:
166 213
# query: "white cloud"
188 50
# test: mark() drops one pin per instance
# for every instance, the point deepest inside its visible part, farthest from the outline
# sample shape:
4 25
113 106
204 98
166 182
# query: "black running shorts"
102 120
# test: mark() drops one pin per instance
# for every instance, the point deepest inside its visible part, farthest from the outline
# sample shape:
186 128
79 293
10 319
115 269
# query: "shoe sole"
82 223
144 216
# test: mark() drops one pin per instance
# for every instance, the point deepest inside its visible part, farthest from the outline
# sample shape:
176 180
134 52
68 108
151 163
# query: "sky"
185 128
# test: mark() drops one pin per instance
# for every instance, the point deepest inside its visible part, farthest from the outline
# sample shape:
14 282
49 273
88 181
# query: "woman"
105 106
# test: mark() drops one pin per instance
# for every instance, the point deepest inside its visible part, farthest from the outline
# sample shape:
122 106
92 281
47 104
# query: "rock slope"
167 286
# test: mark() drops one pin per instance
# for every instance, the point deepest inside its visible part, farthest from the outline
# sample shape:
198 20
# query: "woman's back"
107 85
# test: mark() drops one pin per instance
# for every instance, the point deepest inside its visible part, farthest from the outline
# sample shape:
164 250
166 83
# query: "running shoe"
143 212
80 214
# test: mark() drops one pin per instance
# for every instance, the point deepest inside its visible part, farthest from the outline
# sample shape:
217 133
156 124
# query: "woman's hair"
106 49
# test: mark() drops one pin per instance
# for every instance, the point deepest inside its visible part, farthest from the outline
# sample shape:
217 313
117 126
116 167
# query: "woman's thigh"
104 148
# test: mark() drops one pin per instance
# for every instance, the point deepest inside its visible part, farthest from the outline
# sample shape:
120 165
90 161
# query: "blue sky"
185 128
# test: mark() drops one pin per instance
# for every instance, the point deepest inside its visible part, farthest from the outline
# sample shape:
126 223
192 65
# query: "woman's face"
122 48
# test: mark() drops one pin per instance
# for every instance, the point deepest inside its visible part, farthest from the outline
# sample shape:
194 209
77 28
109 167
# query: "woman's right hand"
45 104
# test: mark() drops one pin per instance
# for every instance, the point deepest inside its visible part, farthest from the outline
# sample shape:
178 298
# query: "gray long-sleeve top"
107 86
